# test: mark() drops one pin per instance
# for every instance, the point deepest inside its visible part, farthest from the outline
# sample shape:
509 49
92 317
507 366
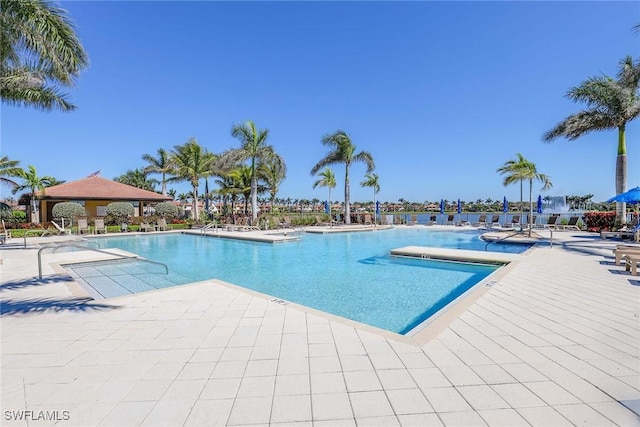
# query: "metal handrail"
75 244
499 240
209 226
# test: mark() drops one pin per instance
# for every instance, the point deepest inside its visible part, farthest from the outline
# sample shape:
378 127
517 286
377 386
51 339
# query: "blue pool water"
347 274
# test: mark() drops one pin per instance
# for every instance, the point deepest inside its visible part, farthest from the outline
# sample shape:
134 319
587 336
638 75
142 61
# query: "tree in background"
272 171
137 178
39 54
192 162
371 180
161 164
515 171
327 179
35 183
611 104
9 168
343 151
253 147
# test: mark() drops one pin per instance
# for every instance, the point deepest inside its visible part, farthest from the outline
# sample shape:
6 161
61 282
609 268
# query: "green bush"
19 216
68 210
166 210
120 212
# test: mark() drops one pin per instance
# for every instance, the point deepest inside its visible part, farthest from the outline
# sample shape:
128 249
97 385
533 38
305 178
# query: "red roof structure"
95 187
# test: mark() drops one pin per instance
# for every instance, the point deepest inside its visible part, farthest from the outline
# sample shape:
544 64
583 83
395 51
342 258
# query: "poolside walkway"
556 341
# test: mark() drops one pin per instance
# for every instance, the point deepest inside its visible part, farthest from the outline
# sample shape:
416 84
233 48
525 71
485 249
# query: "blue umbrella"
326 207
505 205
539 208
441 206
459 206
378 207
631 196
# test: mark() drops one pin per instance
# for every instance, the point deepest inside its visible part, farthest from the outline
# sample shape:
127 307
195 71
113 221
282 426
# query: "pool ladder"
208 227
499 240
81 244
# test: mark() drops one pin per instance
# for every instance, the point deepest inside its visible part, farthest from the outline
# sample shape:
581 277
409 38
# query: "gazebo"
95 193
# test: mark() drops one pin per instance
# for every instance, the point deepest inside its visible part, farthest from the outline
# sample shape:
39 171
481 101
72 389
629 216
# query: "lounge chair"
161 224
245 226
515 220
98 226
633 234
631 263
367 219
65 231
450 220
482 221
414 220
622 250
433 219
286 222
572 224
495 221
321 222
145 226
532 224
551 223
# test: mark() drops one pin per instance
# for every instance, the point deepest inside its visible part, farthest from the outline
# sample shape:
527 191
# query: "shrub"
600 221
120 212
166 210
68 210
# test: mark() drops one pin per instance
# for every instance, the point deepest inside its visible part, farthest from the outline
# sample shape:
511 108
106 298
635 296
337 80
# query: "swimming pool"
346 274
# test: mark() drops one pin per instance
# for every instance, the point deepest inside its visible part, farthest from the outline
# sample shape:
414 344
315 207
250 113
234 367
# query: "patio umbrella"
377 214
459 211
326 207
539 207
442 206
505 208
206 196
631 196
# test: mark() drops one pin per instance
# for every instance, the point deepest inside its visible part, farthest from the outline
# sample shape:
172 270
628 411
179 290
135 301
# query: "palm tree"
241 179
514 169
161 164
272 171
31 181
343 152
371 180
9 168
611 104
327 179
192 162
253 147
39 52
530 173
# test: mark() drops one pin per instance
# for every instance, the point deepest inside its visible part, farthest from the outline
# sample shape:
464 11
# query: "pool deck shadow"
554 341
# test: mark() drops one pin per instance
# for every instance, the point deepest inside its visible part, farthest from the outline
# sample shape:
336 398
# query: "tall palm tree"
39 53
327 179
35 183
192 162
272 171
530 173
161 164
611 104
514 171
253 147
371 180
9 168
343 151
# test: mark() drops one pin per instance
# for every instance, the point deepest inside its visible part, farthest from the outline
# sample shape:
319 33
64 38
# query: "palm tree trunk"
530 206
194 214
164 185
347 196
254 199
621 176
521 204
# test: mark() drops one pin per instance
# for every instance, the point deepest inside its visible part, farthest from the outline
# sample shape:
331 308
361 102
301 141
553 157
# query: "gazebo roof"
94 187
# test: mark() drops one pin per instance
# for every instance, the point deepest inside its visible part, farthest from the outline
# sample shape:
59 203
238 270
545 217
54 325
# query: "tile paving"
556 341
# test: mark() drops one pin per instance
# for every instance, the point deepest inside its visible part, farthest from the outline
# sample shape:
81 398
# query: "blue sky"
440 93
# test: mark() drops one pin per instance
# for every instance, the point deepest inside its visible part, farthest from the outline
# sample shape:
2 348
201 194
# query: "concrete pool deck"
554 341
